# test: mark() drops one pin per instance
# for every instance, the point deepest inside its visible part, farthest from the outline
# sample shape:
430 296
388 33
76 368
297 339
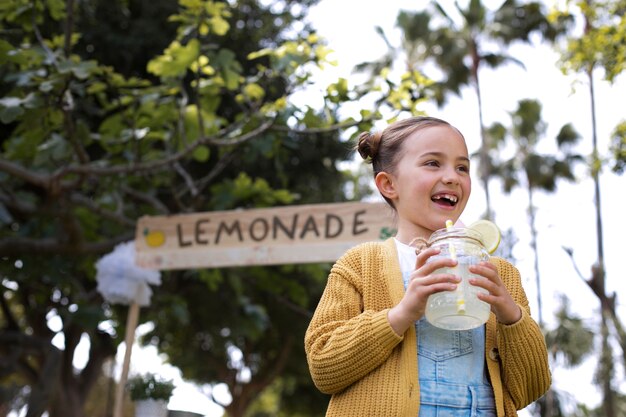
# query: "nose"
450 176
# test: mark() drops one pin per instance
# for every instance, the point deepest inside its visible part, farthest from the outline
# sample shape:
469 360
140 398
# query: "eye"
463 168
431 163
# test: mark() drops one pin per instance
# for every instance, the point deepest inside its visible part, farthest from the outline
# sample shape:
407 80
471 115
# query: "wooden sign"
279 235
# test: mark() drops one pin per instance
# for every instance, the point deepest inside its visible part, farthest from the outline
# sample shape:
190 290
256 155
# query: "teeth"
450 197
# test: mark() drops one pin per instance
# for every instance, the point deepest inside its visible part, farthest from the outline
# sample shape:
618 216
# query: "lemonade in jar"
459 309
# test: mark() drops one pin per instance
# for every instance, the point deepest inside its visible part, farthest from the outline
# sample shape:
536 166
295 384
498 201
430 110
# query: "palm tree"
529 169
458 49
570 342
600 46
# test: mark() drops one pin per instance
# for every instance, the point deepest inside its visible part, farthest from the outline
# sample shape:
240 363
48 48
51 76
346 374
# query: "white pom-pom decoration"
121 281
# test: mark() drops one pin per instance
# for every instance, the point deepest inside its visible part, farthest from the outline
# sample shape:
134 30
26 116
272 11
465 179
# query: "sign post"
279 235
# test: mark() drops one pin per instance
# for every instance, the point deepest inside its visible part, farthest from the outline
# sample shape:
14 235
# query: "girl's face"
431 182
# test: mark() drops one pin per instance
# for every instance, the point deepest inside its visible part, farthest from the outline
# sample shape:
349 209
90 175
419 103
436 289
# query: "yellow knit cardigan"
354 354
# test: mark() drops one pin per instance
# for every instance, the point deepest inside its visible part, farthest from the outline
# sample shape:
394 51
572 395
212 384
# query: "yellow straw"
460 300
451 247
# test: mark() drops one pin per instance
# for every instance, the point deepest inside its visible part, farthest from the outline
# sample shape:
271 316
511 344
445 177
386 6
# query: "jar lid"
455 233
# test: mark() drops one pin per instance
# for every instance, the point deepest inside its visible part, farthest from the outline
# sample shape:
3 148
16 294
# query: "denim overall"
452 375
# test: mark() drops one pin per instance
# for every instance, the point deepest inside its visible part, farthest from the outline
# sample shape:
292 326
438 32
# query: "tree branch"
49 54
326 129
281 362
53 184
93 169
19 343
49 246
292 306
219 166
187 178
21 207
107 214
607 303
570 253
24 174
71 226
101 348
12 323
145 198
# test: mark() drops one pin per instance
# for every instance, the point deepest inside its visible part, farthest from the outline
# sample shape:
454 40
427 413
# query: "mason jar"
459 309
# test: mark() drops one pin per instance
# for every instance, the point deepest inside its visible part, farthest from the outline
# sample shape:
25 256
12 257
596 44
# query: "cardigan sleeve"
521 346
344 342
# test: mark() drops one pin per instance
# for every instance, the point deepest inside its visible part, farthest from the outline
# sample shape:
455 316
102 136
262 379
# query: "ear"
385 184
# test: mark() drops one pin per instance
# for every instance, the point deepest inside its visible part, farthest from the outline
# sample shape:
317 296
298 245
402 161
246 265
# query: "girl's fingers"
432 268
502 304
423 255
433 283
424 268
487 271
437 279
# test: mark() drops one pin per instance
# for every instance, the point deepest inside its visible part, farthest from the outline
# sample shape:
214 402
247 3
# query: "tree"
618 148
87 149
533 171
245 330
530 169
569 343
459 48
601 46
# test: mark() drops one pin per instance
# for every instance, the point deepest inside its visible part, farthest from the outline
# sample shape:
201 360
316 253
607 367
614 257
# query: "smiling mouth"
446 199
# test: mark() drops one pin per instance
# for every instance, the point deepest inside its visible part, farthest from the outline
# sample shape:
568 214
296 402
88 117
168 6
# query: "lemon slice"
489 232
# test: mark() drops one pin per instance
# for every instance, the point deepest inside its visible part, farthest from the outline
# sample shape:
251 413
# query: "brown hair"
382 149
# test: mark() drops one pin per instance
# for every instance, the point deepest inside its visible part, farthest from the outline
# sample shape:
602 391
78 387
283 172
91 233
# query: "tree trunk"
599 277
533 244
47 385
606 370
484 169
245 394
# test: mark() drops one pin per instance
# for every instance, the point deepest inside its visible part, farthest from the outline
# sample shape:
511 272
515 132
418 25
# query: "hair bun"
368 145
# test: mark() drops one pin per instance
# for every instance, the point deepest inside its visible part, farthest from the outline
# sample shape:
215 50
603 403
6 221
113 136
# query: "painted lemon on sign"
154 238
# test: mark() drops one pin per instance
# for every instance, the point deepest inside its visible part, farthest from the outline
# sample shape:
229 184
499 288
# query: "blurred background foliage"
111 110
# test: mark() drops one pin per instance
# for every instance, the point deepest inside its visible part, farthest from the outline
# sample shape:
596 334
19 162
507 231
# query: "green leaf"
254 91
176 59
192 127
5 216
228 66
81 70
84 69
201 153
32 101
56 148
219 25
5 48
46 86
10 114
10 102
56 8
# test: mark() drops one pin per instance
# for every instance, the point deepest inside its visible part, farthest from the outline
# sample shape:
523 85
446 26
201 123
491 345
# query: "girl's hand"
502 304
423 282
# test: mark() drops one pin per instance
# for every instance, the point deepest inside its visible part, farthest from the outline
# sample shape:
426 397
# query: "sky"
566 218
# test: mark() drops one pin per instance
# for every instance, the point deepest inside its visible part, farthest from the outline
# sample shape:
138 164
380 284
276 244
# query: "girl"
368 343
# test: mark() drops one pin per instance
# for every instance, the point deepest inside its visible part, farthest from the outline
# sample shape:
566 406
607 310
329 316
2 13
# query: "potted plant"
150 395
